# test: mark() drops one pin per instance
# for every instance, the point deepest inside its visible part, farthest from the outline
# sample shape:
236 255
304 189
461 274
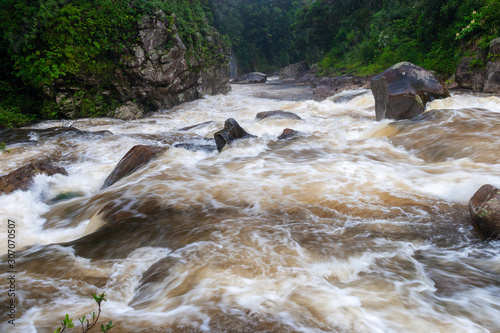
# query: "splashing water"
353 225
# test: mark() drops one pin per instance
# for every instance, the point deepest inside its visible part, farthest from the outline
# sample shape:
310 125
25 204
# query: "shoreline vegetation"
80 45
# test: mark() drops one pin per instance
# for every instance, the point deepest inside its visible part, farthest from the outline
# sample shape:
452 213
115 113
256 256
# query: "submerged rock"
135 158
231 131
17 135
277 114
195 126
21 179
254 77
484 208
208 146
288 133
402 91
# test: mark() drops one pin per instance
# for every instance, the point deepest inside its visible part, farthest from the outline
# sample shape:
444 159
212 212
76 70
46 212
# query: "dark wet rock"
277 114
135 158
254 77
484 208
195 126
129 111
288 133
402 91
231 131
294 71
21 179
327 87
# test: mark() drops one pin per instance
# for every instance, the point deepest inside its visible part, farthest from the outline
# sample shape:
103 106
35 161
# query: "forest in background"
362 37
49 40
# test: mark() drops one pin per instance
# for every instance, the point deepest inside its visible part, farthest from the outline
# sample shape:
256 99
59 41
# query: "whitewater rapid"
353 225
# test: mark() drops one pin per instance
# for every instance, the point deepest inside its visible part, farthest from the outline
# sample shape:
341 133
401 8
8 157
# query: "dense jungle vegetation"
47 41
357 36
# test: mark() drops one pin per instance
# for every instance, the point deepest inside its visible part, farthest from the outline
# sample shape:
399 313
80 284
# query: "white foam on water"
321 234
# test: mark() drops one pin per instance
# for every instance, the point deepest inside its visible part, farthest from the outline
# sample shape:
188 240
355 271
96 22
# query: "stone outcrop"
128 111
294 71
482 73
402 91
135 158
484 207
157 72
492 77
22 178
231 131
254 77
277 114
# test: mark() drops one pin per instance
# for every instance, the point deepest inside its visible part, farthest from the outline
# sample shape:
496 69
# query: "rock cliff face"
472 75
157 72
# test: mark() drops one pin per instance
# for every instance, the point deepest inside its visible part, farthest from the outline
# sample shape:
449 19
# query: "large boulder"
294 71
402 91
22 178
135 158
231 131
484 207
254 77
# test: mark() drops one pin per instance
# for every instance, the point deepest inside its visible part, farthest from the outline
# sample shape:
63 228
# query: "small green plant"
3 149
87 325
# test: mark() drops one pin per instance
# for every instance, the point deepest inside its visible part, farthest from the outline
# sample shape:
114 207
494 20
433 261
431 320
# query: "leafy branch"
87 325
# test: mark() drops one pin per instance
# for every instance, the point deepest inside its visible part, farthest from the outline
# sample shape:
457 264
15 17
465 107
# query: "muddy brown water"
351 226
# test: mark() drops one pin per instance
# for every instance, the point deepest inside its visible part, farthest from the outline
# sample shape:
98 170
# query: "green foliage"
3 149
367 36
80 44
11 117
258 31
85 324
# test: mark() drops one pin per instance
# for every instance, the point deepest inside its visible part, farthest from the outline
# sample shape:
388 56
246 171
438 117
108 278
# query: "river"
353 225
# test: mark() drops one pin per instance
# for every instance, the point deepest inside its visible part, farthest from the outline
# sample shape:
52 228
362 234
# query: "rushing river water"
351 226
